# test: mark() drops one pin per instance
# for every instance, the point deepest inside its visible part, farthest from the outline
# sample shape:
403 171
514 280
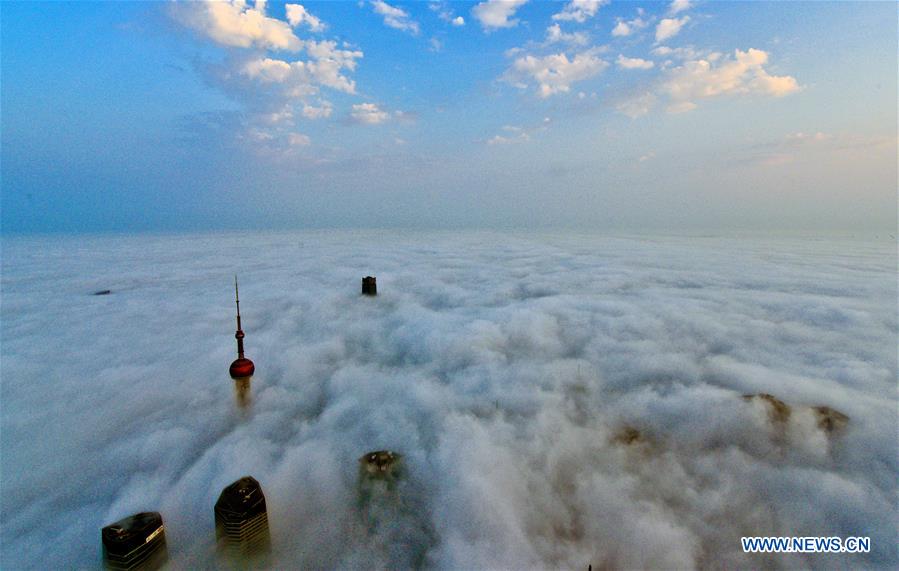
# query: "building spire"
241 367
240 337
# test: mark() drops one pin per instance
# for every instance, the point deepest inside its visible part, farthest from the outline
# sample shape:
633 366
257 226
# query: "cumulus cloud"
276 91
579 10
554 34
494 14
621 29
297 15
559 401
298 140
319 112
369 114
269 69
235 23
667 28
555 73
279 116
708 76
325 68
446 14
633 63
627 27
679 6
742 74
394 17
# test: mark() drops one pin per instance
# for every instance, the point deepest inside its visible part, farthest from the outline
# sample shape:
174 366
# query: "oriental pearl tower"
241 367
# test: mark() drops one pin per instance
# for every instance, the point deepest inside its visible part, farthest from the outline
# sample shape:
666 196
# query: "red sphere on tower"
241 367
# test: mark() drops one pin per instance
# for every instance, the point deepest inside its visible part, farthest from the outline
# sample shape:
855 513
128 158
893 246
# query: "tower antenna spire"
241 367
237 300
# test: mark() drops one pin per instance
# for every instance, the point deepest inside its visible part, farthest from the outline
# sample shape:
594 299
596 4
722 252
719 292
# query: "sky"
169 116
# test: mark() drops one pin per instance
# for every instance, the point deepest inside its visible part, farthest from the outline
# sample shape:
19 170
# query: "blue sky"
589 115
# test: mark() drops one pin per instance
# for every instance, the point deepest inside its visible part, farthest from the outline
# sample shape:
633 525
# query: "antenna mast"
239 335
237 300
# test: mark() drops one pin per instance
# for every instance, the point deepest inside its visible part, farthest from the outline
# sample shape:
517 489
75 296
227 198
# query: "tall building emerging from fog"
242 367
241 519
136 542
379 475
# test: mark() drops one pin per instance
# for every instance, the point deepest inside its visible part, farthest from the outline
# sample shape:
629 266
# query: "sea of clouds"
503 367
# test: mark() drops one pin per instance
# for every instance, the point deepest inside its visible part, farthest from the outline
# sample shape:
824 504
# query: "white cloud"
276 90
259 135
633 63
281 116
494 14
679 6
742 74
637 105
234 23
446 14
621 29
580 10
515 134
555 73
269 69
297 14
436 44
627 27
322 111
394 17
504 368
684 52
298 140
369 114
329 62
513 51
669 27
325 68
554 34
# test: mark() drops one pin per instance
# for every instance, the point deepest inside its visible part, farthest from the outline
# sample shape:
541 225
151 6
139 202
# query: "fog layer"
558 401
